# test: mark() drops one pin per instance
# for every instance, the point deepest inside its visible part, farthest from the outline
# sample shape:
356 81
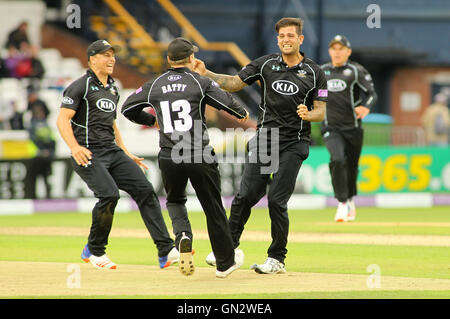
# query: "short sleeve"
139 97
73 95
321 91
252 71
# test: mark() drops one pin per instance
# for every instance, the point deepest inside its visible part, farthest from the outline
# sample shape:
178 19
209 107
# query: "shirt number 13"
184 121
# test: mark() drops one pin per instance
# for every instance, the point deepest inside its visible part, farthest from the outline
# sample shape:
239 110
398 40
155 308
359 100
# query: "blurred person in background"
18 38
18 45
23 63
36 105
12 60
42 136
37 69
4 71
351 94
5 113
436 121
28 64
16 119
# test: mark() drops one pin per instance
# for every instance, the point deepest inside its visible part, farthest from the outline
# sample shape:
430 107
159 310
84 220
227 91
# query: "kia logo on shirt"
174 77
106 105
336 85
285 87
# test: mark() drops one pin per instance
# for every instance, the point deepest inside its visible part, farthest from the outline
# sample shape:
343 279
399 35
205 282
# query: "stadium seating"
12 89
237 18
71 68
51 59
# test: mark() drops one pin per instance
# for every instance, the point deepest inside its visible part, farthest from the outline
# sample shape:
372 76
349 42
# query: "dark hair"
287 22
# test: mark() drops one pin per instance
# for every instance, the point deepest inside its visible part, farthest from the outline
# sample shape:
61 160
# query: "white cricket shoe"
211 259
270 266
351 210
238 262
102 262
341 213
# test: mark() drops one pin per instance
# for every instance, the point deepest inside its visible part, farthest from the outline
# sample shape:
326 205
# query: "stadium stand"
143 29
407 72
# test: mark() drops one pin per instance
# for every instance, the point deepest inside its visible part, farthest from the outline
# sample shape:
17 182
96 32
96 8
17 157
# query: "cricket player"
351 94
294 93
179 97
87 123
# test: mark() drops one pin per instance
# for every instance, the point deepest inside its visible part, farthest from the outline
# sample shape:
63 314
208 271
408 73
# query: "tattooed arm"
230 83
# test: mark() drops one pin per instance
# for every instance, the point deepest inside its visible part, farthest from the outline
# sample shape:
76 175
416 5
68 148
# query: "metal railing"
188 30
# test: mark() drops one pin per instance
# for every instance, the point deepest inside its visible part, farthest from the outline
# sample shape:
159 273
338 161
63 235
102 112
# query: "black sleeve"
365 83
320 92
73 94
133 107
252 71
222 100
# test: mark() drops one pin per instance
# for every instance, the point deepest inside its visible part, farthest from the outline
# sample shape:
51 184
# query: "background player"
294 93
351 94
179 97
87 123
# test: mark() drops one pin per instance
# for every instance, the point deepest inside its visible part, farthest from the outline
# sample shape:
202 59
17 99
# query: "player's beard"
292 51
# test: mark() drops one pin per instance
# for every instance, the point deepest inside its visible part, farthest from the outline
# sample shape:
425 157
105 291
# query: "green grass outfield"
413 261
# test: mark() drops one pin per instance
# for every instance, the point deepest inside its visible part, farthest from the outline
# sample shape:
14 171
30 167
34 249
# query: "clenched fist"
302 111
199 67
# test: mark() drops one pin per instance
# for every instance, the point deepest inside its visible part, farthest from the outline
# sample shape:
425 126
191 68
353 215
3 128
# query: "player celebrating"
179 97
87 123
351 95
294 93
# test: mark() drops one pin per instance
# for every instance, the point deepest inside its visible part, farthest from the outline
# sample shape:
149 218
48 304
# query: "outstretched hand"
139 161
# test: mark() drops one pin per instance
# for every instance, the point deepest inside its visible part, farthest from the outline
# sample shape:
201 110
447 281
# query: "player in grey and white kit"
351 94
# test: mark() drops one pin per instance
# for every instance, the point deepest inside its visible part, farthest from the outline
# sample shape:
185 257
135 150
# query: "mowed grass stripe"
410 221
335 238
405 261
